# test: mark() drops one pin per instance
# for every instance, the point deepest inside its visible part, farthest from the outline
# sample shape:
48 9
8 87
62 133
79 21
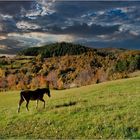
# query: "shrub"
121 65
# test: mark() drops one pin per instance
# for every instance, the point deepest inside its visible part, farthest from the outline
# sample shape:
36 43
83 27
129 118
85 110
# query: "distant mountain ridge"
56 49
64 48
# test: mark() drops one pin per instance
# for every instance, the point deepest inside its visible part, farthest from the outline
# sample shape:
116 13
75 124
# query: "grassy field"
102 111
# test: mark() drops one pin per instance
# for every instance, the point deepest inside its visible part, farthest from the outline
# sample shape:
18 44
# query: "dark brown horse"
37 95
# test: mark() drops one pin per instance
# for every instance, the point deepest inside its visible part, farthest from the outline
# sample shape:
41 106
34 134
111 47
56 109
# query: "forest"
66 65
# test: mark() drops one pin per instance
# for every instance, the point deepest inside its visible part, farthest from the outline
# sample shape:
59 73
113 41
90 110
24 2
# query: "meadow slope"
106 110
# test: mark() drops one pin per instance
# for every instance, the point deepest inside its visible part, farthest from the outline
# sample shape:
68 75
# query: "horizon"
96 24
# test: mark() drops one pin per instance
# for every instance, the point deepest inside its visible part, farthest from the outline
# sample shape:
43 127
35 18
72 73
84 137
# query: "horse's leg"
36 104
20 102
43 101
27 102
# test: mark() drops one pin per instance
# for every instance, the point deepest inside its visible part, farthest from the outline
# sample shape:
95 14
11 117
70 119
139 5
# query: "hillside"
55 49
108 110
66 65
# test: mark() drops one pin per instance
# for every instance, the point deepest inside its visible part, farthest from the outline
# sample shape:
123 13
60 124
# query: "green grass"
102 111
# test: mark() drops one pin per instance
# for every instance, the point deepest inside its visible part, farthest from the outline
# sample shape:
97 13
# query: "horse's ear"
47 84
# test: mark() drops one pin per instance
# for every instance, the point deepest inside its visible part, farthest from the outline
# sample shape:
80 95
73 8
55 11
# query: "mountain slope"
103 111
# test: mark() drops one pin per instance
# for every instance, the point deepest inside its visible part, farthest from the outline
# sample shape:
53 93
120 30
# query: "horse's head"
47 91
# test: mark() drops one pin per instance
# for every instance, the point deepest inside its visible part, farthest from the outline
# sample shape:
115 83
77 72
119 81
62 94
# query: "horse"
27 95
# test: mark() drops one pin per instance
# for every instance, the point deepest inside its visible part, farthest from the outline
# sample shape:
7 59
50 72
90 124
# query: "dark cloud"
69 7
14 7
86 30
11 12
127 43
12 46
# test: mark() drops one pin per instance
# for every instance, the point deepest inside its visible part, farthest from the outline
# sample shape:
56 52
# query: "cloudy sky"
92 23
